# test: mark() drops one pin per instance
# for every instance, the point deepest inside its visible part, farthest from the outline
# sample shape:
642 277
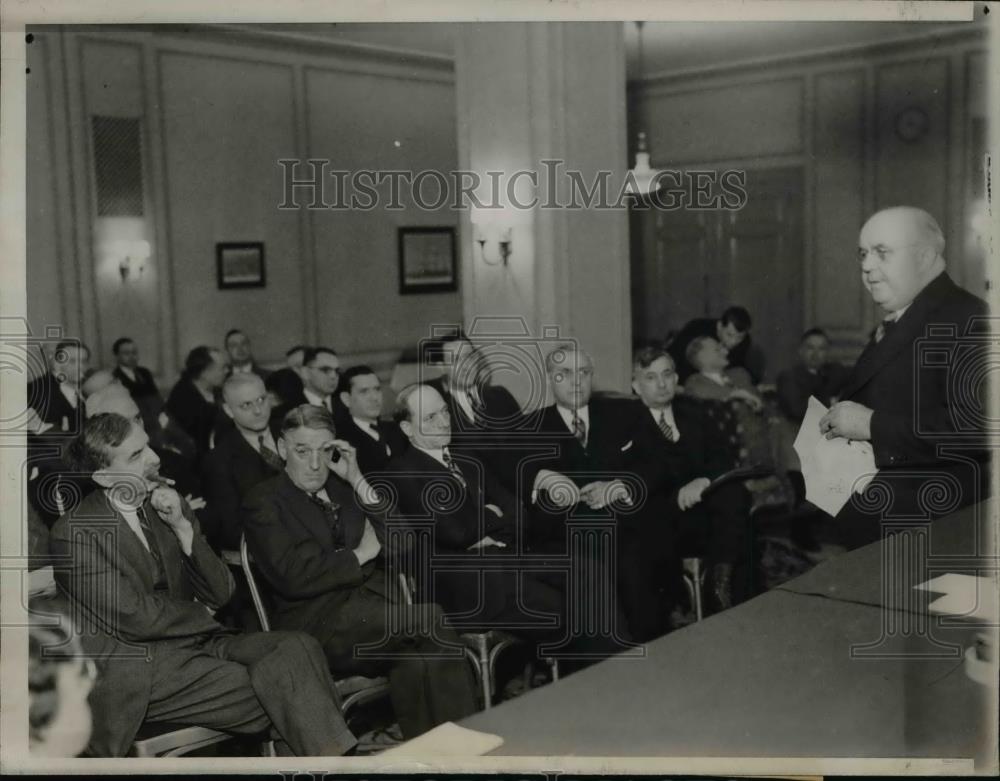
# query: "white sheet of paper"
446 740
967 596
832 468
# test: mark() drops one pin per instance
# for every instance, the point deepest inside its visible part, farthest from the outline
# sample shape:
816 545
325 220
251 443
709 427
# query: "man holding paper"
915 393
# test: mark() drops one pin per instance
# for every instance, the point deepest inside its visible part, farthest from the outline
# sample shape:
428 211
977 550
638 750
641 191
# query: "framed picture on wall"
240 264
427 260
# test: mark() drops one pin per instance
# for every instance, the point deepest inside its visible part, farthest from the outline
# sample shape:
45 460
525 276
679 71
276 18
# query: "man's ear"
344 397
407 428
227 410
635 387
103 479
282 449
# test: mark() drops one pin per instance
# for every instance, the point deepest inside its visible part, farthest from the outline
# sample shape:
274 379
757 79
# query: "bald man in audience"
243 456
904 396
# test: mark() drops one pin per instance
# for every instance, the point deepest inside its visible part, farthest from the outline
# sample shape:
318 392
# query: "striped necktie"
666 428
579 430
453 467
160 573
271 458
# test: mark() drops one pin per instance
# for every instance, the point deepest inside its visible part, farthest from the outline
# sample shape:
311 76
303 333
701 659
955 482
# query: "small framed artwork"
427 260
240 264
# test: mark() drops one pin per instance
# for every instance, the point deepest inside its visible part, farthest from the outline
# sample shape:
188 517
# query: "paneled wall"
217 112
869 127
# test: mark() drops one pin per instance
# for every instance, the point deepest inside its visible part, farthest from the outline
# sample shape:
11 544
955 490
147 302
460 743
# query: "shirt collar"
315 398
583 413
253 438
366 426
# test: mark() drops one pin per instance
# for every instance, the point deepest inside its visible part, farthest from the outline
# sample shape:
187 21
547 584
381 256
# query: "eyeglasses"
246 406
881 251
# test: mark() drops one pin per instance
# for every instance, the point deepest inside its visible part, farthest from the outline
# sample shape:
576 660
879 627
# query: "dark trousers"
571 613
430 680
252 683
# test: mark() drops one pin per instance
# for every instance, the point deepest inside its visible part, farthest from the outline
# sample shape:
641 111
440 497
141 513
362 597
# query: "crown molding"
951 34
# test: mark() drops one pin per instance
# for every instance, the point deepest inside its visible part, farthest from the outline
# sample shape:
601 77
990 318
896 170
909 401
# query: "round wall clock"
912 124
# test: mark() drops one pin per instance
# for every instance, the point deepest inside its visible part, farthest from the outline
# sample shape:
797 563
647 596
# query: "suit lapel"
879 354
130 547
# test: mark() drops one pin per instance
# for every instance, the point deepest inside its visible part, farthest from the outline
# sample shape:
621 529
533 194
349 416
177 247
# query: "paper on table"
832 468
967 596
447 740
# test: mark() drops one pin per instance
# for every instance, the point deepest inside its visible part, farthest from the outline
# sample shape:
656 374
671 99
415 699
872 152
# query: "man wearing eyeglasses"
244 456
903 394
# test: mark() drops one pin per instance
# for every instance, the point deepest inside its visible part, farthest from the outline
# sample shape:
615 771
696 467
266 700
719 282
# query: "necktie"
272 459
374 430
579 430
453 467
666 428
159 574
332 513
884 327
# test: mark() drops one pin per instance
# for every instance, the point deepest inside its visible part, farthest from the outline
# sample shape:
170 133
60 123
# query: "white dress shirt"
368 427
131 518
71 394
127 372
668 415
583 413
319 401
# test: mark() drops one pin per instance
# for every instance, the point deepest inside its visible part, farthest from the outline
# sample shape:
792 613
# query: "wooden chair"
171 740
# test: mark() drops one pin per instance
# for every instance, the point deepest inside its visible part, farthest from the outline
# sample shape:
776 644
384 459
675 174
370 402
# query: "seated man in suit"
141 575
172 465
138 380
732 330
193 401
57 411
374 440
320 374
912 409
474 517
243 456
285 384
812 375
677 452
312 537
241 360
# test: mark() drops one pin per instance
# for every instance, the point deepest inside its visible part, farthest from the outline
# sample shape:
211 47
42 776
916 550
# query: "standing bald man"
903 395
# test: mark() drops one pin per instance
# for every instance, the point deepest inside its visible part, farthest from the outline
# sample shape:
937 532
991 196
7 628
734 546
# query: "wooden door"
688 264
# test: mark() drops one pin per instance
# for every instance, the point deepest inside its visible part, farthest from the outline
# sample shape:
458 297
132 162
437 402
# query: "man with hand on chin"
312 535
146 583
908 406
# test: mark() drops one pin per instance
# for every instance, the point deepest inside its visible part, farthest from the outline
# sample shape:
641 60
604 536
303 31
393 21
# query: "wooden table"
791 673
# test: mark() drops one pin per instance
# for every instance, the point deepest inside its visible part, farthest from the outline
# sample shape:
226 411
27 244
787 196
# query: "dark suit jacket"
197 417
500 434
52 407
126 623
373 455
909 380
308 576
286 384
231 469
144 391
797 384
427 492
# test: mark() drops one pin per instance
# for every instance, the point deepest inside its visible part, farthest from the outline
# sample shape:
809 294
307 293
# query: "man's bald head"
246 401
900 250
114 398
236 383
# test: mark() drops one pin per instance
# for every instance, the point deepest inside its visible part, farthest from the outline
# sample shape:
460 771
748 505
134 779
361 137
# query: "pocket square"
627 446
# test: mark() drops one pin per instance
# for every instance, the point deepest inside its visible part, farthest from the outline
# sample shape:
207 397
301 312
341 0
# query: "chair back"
255 594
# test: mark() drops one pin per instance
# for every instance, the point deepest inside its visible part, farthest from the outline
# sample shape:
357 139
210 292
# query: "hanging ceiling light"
641 177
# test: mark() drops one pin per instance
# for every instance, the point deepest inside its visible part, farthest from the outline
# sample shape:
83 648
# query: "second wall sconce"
494 234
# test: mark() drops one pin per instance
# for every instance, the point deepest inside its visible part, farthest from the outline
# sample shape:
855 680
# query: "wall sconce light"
131 257
502 236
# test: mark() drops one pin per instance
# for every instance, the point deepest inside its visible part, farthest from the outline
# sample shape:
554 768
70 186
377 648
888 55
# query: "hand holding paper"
832 468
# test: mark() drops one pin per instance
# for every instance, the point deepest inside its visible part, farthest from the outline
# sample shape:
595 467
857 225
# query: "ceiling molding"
940 35
320 43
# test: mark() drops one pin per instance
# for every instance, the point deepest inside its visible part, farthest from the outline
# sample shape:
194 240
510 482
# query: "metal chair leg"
694 579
